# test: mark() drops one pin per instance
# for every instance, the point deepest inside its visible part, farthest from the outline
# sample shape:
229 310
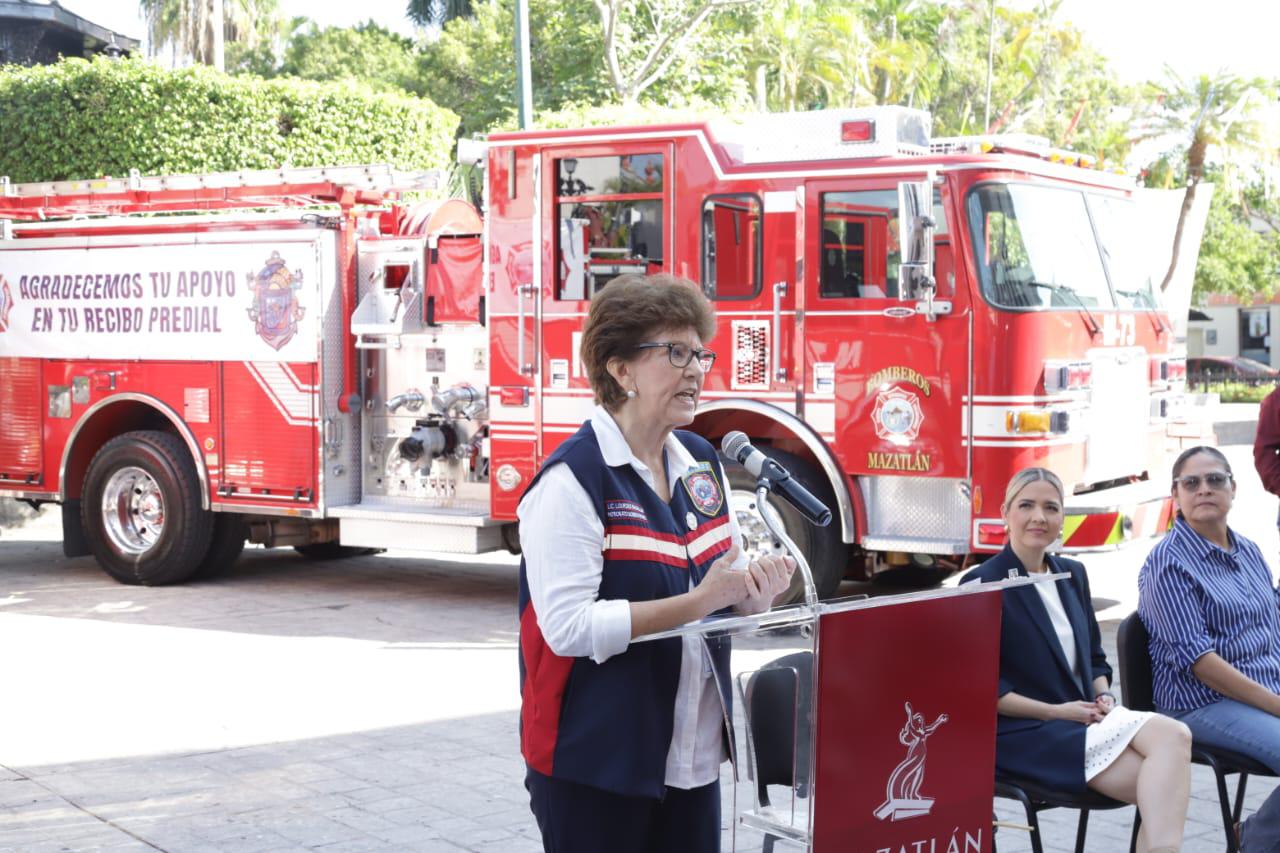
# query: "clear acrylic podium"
864 724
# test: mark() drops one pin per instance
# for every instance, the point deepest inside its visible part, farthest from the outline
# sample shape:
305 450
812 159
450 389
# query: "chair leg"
1082 829
1224 803
1137 824
767 847
1033 821
1239 809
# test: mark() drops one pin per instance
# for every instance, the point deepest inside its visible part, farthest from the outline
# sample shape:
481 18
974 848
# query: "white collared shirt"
564 571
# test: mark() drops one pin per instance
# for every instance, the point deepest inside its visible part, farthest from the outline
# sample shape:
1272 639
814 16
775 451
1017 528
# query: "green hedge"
81 119
1234 392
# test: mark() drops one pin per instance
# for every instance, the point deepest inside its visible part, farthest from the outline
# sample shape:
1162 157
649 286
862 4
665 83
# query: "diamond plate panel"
916 507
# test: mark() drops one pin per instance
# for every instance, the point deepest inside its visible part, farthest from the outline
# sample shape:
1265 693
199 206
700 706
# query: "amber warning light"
863 130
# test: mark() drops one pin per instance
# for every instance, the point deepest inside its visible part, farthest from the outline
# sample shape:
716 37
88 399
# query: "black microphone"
738 447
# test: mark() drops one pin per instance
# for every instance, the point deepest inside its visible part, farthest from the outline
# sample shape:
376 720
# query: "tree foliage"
199 29
81 119
1240 251
436 13
369 54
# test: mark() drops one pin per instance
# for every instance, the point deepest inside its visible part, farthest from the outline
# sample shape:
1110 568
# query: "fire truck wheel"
141 509
822 546
230 532
334 551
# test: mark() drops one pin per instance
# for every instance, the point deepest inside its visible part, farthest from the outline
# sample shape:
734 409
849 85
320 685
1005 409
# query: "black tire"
822 547
154 532
230 532
334 551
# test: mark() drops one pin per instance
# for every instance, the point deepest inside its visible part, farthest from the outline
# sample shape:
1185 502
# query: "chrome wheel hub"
133 511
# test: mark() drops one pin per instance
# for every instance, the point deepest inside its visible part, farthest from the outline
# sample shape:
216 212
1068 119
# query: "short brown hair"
627 312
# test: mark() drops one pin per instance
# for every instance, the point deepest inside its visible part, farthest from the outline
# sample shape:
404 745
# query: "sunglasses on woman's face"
1216 481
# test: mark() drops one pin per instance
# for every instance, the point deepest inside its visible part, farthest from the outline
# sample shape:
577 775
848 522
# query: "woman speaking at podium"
1058 723
626 531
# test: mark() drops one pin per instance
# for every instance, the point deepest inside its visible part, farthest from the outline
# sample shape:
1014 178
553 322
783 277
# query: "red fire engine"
302 358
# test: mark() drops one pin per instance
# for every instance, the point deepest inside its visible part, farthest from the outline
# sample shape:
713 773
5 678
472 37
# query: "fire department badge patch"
703 490
897 416
275 312
6 304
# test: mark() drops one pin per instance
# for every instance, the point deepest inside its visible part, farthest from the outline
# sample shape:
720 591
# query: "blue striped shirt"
1196 598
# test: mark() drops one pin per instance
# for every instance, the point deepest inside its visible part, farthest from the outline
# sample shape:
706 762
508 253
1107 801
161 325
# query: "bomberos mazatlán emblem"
897 416
275 312
6 303
703 490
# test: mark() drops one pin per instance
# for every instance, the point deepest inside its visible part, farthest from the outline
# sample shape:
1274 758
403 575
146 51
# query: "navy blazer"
1032 664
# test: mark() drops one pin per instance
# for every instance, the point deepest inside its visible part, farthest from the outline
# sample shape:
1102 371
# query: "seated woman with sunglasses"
1205 595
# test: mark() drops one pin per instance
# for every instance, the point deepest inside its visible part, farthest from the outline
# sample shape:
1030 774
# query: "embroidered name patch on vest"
625 510
703 489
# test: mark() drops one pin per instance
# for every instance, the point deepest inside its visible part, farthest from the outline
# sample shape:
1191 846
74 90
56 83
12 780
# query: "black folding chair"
1135 674
1036 798
773 694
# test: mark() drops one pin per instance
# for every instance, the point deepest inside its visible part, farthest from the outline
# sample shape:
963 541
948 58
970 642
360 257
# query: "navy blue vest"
610 725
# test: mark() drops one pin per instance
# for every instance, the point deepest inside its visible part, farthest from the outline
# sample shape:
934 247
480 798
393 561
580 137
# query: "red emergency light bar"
862 130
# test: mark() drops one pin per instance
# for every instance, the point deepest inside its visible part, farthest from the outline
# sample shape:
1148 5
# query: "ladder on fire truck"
263 188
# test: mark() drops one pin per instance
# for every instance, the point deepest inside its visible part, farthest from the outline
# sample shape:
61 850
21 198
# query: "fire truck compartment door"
21 429
886 385
453 273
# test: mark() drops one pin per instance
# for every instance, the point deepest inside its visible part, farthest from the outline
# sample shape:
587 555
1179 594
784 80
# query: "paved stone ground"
361 705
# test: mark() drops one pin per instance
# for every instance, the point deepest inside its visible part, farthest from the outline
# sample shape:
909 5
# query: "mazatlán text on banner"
246 301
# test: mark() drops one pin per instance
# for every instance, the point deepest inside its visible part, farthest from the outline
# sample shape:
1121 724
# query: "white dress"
1105 740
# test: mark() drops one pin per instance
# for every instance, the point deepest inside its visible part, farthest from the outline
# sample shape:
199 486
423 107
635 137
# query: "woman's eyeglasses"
1217 481
682 355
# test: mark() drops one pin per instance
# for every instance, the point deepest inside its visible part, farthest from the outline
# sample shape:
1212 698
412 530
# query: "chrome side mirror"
915 237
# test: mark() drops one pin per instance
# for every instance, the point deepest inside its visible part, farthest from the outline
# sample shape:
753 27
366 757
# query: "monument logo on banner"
902 793
276 312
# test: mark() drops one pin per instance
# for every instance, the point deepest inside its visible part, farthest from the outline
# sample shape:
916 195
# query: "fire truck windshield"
1036 248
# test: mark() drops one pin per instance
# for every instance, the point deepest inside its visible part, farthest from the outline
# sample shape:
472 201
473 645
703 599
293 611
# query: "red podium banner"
906 720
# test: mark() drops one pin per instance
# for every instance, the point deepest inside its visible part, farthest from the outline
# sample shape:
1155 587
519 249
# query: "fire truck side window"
731 247
859 243
610 220
1036 248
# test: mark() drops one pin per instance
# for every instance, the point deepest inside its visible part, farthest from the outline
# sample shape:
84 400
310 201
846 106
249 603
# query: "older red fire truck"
301 358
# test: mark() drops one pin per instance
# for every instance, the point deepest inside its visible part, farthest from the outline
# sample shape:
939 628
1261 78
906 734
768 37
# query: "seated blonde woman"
1058 723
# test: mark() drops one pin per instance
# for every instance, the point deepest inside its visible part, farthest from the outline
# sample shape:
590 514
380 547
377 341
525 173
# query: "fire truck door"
886 384
607 212
748 270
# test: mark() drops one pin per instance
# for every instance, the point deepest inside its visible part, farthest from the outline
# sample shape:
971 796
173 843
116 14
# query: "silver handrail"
779 290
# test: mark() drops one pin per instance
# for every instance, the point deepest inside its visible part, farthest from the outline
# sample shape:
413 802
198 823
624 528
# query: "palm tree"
199 29
813 52
437 13
1206 111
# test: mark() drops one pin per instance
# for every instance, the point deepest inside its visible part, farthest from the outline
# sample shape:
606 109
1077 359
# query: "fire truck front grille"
750 355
